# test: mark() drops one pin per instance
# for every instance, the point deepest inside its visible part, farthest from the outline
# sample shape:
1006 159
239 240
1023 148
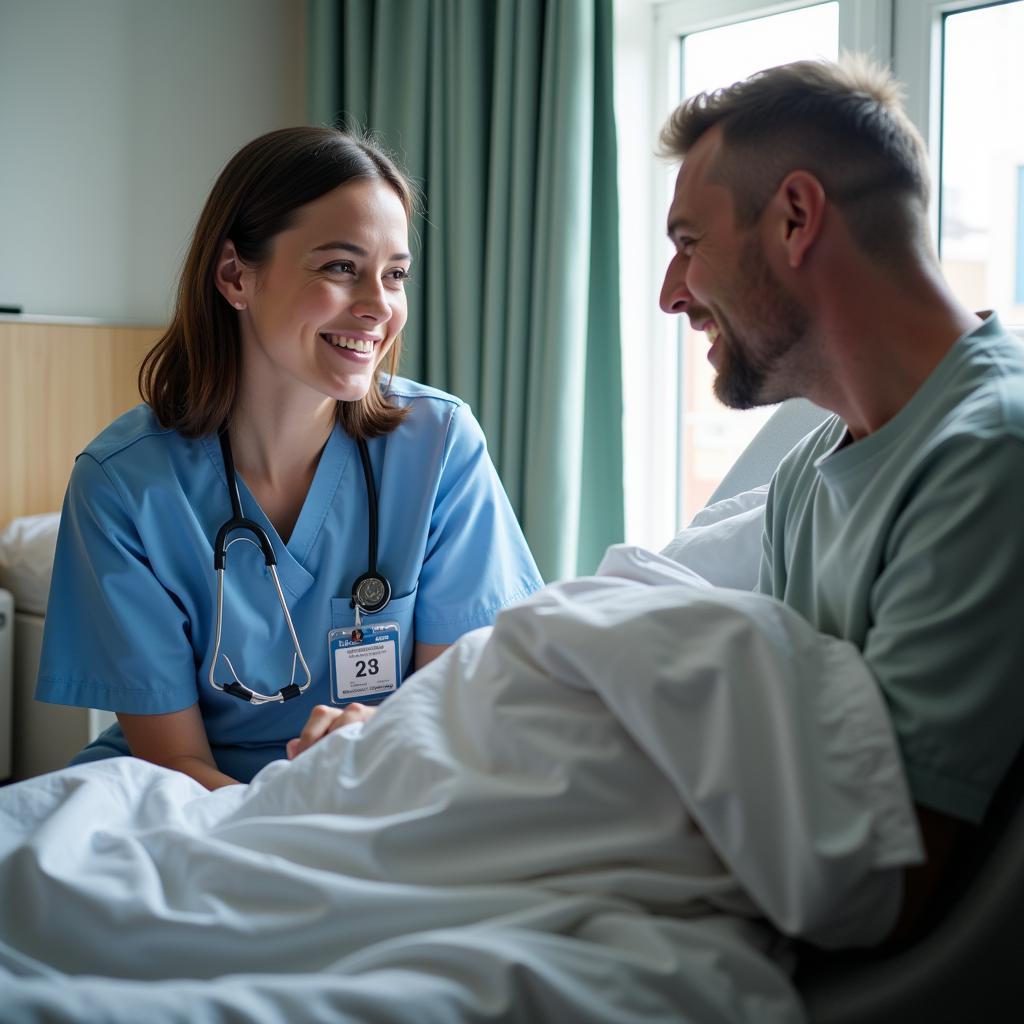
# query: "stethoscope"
371 592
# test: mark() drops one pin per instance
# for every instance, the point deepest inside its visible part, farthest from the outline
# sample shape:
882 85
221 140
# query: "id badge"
364 662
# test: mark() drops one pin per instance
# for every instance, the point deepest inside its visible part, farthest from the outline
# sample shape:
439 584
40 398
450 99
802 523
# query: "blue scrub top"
130 618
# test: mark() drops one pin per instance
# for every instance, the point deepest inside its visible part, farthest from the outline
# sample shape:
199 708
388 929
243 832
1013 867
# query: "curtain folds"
501 112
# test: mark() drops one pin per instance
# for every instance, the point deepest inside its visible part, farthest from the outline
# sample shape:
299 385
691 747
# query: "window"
964 90
982 153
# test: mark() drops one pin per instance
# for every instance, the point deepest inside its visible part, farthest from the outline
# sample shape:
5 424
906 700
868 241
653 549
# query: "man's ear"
799 205
229 276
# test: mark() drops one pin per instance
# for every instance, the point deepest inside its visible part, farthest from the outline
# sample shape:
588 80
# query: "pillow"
27 545
723 542
754 498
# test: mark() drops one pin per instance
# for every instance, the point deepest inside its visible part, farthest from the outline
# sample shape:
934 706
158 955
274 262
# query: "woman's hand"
322 720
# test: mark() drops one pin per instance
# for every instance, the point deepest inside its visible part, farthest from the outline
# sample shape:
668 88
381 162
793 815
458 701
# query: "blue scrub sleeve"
476 560
114 638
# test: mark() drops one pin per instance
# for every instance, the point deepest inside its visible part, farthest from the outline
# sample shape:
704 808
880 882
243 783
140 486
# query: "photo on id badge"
364 662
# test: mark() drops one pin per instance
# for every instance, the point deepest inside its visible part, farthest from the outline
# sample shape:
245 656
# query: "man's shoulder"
1007 384
993 411
992 405
1010 397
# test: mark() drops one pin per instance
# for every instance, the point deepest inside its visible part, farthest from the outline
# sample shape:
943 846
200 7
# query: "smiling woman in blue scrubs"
286 334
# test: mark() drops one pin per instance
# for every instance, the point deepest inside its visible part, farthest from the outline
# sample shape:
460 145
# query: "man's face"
719 277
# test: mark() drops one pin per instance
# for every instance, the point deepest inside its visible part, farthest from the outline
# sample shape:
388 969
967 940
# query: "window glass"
981 220
710 436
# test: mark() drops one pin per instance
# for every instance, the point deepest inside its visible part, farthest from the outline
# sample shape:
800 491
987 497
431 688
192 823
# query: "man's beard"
747 375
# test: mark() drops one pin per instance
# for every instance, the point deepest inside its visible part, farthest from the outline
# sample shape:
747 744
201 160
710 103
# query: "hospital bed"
966 965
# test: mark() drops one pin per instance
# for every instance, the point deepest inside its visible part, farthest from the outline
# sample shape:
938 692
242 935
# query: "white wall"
115 117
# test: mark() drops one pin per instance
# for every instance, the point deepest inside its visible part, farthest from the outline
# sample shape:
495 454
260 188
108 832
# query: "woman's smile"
351 345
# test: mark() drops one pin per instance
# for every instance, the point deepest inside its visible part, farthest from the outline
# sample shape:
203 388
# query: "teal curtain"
501 111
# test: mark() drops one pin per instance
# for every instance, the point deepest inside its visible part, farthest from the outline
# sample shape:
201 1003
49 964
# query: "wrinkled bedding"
609 807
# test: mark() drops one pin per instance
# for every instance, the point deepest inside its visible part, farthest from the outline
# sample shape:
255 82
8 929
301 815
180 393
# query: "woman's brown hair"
190 377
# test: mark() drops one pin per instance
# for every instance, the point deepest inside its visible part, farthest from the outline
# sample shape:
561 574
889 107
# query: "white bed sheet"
604 809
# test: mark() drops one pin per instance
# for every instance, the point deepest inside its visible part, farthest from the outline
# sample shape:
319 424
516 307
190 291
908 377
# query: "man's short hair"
843 122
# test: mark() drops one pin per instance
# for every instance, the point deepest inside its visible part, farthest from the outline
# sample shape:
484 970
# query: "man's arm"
922 884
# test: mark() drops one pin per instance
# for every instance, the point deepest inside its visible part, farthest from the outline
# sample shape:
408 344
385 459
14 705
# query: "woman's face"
326 307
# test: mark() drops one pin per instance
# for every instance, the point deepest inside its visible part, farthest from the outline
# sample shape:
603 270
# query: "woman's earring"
238 305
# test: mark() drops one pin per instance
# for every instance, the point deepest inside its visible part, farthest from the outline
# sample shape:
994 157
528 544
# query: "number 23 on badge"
364 663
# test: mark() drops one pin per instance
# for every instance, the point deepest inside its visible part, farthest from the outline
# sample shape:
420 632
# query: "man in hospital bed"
803 251
614 804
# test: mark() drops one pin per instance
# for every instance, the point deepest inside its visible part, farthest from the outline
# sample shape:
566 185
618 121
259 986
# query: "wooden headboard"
60 384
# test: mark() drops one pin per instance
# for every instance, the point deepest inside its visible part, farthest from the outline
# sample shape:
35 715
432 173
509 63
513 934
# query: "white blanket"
599 810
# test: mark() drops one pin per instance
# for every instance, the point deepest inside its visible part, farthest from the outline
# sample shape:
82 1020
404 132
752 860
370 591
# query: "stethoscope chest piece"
371 592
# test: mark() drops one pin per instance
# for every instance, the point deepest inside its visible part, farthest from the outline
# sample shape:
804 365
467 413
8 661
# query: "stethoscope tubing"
377 584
